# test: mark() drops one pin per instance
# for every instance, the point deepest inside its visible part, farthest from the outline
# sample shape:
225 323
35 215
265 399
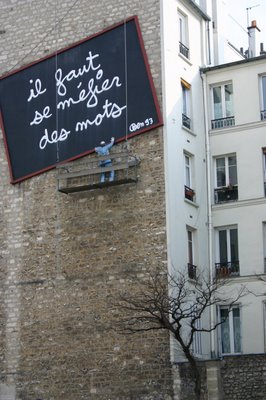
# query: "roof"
232 64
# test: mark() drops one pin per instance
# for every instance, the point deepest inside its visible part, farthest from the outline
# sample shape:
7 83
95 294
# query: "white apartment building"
237 141
214 133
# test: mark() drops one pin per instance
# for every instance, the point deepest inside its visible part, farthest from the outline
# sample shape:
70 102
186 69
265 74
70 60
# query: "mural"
60 108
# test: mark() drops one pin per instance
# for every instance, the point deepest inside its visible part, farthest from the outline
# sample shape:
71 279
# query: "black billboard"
59 108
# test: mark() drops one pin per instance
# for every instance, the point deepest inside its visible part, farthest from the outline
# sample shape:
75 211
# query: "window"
223 115
189 192
263 98
230 331
264 166
225 179
264 245
264 318
196 344
186 107
190 247
227 252
183 35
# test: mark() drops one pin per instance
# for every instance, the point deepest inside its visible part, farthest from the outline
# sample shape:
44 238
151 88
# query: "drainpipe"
209 210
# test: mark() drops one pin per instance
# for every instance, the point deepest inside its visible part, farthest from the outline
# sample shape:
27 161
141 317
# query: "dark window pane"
223 246
220 172
234 245
232 170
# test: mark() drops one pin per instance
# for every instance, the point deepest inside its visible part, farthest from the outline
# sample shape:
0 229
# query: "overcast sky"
238 19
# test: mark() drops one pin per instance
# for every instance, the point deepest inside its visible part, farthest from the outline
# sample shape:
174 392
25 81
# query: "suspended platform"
80 176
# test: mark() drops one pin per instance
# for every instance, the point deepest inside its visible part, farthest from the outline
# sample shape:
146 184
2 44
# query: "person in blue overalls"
103 150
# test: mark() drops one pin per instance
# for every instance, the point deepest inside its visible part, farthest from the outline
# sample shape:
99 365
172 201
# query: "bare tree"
176 304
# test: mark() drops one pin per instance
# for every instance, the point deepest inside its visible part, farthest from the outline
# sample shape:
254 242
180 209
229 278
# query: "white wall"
246 139
182 213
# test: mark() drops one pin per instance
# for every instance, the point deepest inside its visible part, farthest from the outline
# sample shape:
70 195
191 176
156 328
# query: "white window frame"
263 96
227 176
186 101
196 347
231 329
192 252
264 245
223 102
264 168
188 170
190 246
183 28
228 242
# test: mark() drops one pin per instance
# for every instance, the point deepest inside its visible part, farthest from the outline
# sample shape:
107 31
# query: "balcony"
221 123
192 271
186 121
263 115
225 194
227 269
189 193
183 50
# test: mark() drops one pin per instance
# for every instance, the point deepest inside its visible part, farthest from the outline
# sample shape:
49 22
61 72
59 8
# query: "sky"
238 20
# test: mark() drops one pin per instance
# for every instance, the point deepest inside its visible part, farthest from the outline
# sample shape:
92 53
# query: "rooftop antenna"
248 9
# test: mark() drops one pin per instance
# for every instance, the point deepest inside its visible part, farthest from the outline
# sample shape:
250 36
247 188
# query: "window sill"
192 203
231 354
189 130
185 58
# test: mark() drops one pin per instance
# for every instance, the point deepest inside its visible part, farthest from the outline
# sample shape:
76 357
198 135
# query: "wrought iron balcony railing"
186 121
183 50
189 193
263 115
223 122
227 269
192 271
225 194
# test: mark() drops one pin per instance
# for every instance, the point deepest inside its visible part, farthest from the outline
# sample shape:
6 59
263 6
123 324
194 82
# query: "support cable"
126 77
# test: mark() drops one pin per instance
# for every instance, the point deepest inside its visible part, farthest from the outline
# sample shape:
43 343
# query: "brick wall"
64 259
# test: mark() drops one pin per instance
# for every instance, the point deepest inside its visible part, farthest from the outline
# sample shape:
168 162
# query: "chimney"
253 45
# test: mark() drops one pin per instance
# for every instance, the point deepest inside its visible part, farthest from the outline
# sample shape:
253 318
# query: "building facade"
198 206
66 258
237 159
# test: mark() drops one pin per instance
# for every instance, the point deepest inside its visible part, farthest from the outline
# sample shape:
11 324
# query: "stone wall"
238 377
65 258
244 377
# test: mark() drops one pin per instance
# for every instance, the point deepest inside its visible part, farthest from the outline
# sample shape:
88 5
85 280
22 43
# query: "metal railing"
186 121
191 271
227 269
86 174
183 50
225 194
189 193
222 122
